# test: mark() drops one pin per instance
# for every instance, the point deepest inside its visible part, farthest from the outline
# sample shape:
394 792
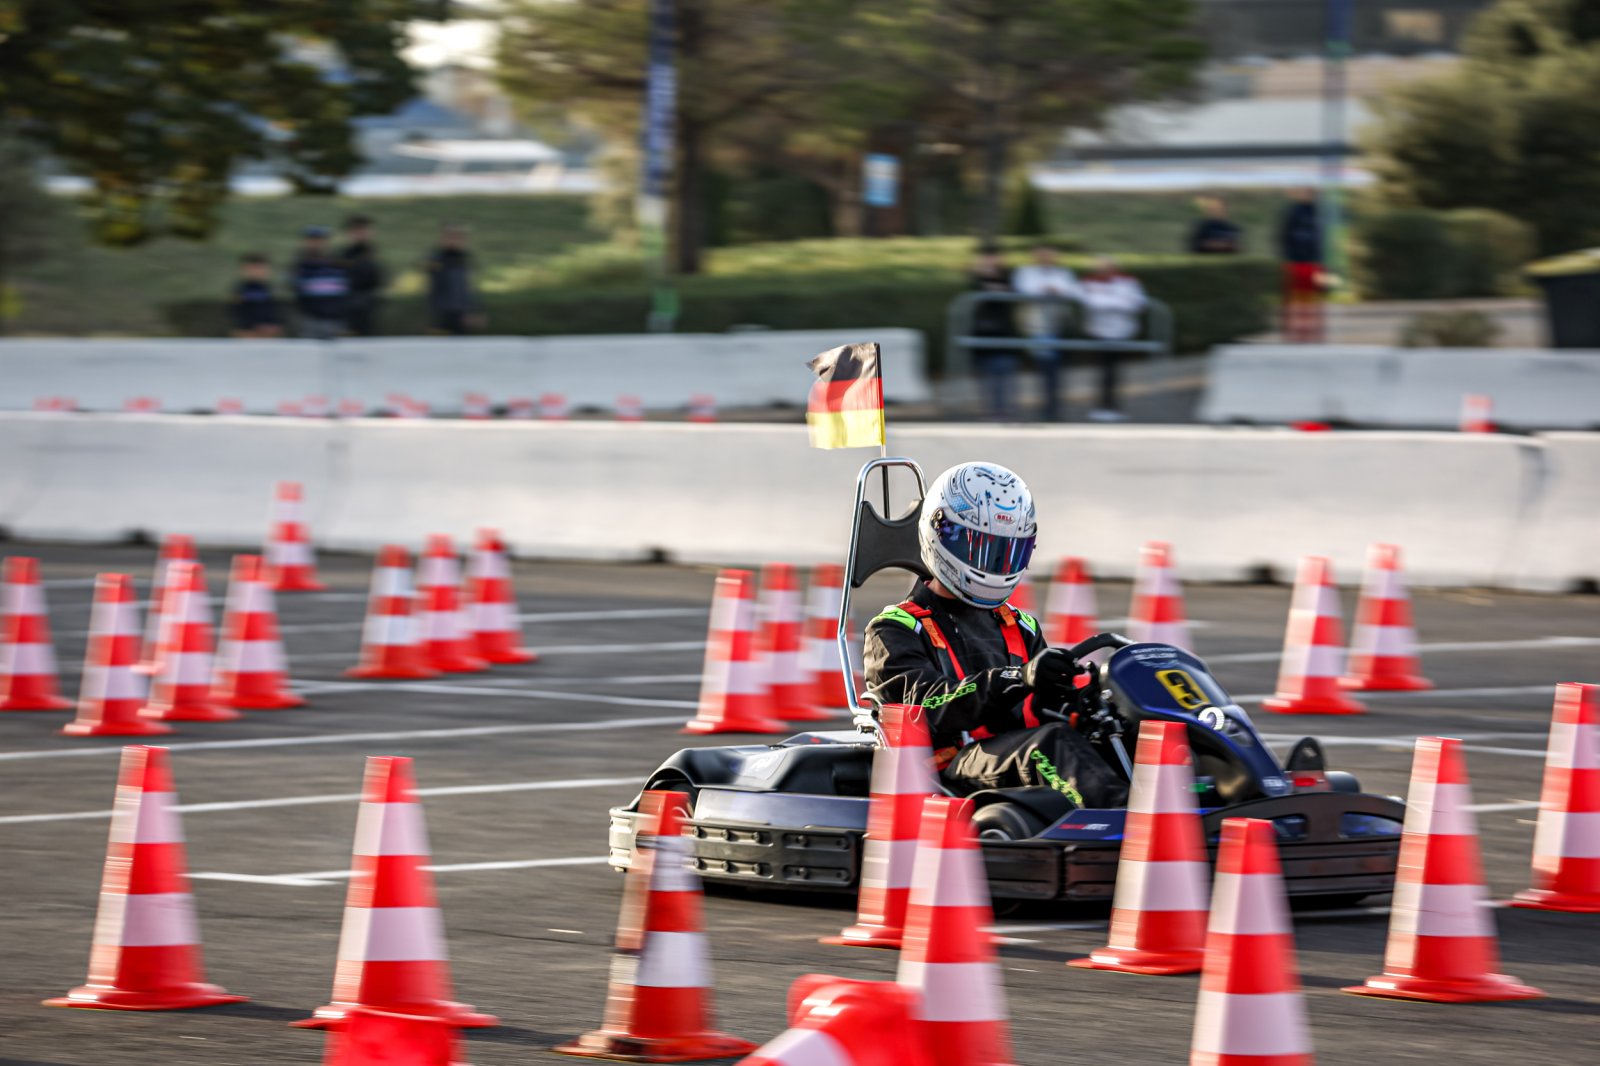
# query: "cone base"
624 1048
298 584
185 997
48 703
191 712
1488 988
1401 683
461 665
391 673
1313 705
138 727
457 1014
1544 899
508 656
281 701
703 728
1148 963
866 936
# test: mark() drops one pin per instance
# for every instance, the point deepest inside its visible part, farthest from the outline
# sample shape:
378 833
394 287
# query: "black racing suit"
966 674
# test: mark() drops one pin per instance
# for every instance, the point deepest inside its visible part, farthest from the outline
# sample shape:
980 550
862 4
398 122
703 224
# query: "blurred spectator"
993 318
1215 233
1045 321
320 285
1300 243
450 296
253 307
1113 304
365 271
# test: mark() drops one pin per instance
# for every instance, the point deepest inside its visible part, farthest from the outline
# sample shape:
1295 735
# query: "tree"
156 101
1515 128
27 221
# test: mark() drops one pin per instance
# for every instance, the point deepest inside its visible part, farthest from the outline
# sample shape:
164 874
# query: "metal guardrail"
960 341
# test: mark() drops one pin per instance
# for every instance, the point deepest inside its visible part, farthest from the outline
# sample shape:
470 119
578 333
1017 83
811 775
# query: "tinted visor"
989 552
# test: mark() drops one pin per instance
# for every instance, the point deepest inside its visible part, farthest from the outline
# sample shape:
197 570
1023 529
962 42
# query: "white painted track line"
1531 644
328 877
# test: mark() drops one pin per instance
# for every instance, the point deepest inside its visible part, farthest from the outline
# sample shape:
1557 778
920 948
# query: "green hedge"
1410 253
1214 300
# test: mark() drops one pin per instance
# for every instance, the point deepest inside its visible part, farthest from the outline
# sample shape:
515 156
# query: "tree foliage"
27 216
156 101
1515 128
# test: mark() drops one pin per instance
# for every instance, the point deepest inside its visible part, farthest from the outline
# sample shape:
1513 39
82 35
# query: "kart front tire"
1006 821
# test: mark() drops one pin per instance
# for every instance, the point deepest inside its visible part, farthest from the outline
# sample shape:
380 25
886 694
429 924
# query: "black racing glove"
1051 674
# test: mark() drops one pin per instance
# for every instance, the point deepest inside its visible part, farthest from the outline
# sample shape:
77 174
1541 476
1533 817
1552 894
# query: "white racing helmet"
977 532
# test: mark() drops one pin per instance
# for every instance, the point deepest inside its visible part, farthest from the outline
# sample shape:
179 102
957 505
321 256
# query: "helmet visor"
991 553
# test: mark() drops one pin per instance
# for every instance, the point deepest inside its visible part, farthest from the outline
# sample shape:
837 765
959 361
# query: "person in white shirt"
1045 321
1113 310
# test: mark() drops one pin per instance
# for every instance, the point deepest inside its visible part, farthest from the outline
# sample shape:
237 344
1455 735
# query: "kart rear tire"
1343 781
1006 821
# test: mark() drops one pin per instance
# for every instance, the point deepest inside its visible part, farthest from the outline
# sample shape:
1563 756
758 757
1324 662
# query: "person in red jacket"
980 669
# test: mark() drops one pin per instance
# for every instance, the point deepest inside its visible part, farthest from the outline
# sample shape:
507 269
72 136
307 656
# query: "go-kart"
792 815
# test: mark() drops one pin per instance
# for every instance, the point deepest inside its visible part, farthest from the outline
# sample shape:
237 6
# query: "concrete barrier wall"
1530 389
1491 510
749 369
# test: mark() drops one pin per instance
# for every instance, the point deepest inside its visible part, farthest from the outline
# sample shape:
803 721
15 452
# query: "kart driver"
979 668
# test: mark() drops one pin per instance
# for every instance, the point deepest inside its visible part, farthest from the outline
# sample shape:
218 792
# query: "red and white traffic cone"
1157 614
392 949
629 408
733 692
1022 598
1383 647
834 1022
390 647
146 953
949 958
290 409
476 405
27 658
252 674
112 692
778 646
316 406
142 405
175 547
446 641
822 660
520 407
492 603
370 1037
291 561
1313 647
1158 918
553 407
902 777
181 689
229 405
702 408
1477 413
1566 845
658 1007
351 408
1071 614
1251 1011
1442 945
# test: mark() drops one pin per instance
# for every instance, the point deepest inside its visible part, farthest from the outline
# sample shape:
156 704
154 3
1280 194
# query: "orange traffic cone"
446 642
1021 598
181 689
1477 413
902 777
1251 1011
1383 648
1157 614
1566 846
778 647
1441 933
703 408
175 547
27 659
1158 919
553 407
146 953
658 1008
291 561
1313 647
629 408
1071 614
733 694
391 950
948 958
112 693
389 646
834 1022
382 1038
492 602
822 659
251 670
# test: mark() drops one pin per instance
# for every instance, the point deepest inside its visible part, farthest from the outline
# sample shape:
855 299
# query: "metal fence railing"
1155 338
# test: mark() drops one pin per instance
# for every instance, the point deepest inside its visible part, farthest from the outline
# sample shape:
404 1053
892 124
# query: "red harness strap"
1016 647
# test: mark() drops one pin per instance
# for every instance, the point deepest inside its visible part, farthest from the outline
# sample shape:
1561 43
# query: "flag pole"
883 445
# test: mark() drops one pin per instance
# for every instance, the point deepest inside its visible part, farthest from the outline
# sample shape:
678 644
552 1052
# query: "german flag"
845 408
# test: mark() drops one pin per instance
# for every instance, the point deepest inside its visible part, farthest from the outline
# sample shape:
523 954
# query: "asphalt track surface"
540 752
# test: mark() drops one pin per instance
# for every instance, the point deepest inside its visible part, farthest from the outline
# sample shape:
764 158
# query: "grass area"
82 287
1158 222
